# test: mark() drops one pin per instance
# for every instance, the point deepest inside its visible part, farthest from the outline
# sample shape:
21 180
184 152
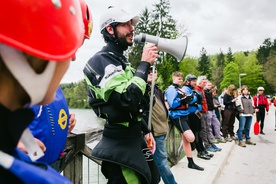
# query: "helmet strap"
114 25
36 85
111 37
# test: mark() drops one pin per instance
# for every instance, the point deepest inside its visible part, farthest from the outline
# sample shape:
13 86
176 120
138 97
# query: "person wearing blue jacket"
195 106
178 102
51 126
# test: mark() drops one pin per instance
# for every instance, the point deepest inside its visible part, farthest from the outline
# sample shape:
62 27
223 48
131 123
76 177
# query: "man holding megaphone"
116 93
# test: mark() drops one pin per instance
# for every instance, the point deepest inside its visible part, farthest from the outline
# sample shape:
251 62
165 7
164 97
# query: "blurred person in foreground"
53 121
50 128
116 93
30 73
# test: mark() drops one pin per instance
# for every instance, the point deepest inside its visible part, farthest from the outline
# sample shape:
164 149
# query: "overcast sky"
215 25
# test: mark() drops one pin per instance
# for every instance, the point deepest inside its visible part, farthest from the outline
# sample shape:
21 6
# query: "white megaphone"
176 47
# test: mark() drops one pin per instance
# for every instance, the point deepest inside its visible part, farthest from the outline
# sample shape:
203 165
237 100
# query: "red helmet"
87 19
48 29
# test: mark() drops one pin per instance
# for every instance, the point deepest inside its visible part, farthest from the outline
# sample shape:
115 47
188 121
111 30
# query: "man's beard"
123 41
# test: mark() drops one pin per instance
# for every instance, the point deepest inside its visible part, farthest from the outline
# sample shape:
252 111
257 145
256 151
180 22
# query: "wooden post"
73 162
74 170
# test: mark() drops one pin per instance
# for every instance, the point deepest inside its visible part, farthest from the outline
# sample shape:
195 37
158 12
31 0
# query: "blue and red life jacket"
51 126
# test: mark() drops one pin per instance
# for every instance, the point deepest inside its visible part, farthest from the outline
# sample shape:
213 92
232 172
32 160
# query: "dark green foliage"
220 60
217 68
254 74
264 50
270 74
231 75
229 56
204 64
76 95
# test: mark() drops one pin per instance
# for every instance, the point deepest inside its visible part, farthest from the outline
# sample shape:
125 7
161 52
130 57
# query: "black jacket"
209 99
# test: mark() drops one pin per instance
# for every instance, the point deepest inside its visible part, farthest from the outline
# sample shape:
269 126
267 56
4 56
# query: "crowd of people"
133 147
33 59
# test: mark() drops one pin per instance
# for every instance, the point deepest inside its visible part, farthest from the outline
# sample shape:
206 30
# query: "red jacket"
204 102
260 101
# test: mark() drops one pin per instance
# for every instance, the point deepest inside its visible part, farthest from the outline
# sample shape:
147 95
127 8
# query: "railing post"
74 170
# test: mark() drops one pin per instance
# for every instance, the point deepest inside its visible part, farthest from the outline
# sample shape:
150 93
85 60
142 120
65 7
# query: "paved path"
253 164
234 164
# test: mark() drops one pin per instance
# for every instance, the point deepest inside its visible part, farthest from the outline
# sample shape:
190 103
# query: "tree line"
222 69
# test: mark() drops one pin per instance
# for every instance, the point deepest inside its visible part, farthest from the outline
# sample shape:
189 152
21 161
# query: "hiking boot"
208 154
203 156
250 142
194 166
211 149
241 143
216 148
222 140
228 139
215 141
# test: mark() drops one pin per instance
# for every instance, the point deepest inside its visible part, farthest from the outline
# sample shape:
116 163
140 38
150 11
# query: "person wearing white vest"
245 108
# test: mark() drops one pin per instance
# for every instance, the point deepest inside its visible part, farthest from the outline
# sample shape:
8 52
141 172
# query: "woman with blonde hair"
229 101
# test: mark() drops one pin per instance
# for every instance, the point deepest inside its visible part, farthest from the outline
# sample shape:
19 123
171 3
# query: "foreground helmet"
190 77
51 30
48 29
116 15
87 19
260 88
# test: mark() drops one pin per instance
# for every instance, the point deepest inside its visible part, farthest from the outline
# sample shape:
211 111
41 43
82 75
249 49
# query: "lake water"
87 120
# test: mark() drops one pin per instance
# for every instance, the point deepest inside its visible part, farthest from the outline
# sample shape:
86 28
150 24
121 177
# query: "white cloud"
213 24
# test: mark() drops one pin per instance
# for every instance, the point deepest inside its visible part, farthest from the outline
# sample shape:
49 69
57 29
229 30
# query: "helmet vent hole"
72 10
56 3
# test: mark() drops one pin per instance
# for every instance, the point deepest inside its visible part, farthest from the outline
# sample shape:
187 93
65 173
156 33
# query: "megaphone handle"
151 97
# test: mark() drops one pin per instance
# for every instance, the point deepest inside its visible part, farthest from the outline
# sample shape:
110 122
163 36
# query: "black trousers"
228 122
195 125
115 175
261 117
